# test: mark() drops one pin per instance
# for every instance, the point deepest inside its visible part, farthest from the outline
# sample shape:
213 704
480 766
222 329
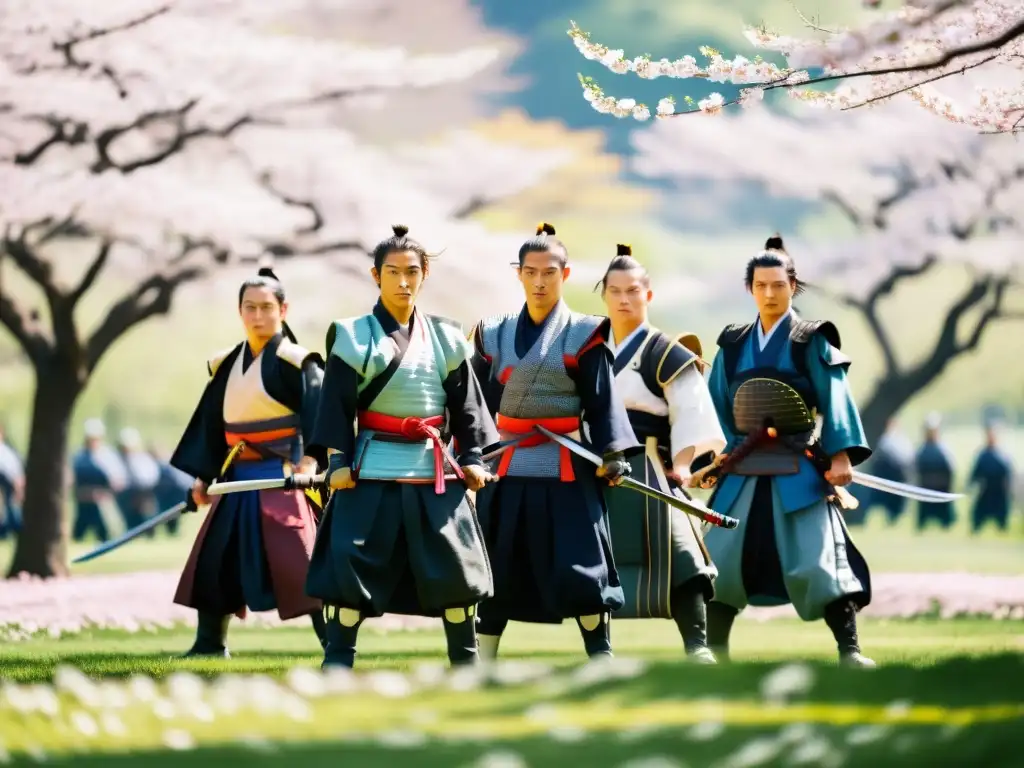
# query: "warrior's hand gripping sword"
689 506
823 463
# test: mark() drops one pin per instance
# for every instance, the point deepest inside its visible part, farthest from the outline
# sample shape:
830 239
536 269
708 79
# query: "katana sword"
164 517
823 462
504 445
689 506
291 483
904 489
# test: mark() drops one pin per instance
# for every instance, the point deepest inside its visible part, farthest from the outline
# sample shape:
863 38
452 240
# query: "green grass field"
944 693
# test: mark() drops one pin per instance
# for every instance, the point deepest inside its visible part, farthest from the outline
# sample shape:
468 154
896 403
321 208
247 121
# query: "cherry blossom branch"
933 79
176 144
22 324
809 23
91 273
764 76
151 297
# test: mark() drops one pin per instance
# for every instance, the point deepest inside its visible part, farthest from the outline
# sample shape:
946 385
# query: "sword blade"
689 506
504 445
124 538
904 489
237 486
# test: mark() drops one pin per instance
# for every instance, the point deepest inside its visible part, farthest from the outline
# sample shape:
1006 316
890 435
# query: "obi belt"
412 429
561 425
266 439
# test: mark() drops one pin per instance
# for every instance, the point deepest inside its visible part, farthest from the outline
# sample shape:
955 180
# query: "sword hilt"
722 521
305 482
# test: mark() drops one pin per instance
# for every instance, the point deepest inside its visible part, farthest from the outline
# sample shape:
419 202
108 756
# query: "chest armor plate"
537 385
415 389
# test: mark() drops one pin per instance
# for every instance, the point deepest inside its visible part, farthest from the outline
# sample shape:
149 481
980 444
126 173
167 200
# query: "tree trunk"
889 396
42 543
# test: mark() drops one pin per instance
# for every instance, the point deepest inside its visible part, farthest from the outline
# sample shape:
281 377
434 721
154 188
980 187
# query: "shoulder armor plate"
489 329
672 357
214 363
451 338
582 329
292 353
733 333
803 330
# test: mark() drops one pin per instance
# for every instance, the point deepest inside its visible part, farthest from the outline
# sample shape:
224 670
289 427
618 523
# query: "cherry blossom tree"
911 52
920 195
175 139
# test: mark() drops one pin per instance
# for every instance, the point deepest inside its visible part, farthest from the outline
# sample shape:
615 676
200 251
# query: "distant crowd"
932 466
117 487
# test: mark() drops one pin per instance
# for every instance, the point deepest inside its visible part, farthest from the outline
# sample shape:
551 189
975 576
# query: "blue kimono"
934 465
137 499
993 474
172 487
792 545
12 476
98 475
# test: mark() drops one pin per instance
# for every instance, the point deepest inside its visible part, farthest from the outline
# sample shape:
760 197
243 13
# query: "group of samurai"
450 482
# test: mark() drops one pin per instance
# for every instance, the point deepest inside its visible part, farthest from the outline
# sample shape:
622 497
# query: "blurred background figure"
993 474
893 459
99 475
172 487
934 465
12 487
137 500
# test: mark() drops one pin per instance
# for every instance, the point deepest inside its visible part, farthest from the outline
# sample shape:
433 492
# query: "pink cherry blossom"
160 123
908 53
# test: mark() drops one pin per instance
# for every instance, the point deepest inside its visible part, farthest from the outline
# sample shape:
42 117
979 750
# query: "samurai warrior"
253 549
665 569
771 381
400 533
545 521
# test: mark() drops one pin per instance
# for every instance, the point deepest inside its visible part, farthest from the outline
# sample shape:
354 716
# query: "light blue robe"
812 539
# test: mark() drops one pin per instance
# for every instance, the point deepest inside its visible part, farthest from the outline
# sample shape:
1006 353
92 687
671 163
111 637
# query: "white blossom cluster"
903 53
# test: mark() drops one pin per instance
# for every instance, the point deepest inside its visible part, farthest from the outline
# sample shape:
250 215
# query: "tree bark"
42 543
885 401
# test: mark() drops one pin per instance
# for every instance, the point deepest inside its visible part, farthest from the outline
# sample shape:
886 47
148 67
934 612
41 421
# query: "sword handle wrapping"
305 482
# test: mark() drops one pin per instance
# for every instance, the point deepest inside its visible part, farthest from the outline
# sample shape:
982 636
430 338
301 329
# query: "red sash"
415 428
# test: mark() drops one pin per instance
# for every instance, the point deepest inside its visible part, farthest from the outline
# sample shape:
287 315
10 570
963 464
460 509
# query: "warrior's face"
262 314
542 275
400 278
627 295
773 292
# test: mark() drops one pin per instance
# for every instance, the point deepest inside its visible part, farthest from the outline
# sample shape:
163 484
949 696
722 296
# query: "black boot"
211 632
320 627
720 621
597 641
340 648
841 617
460 634
689 611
